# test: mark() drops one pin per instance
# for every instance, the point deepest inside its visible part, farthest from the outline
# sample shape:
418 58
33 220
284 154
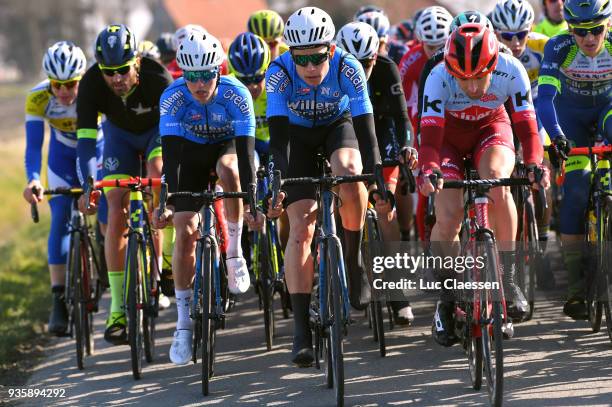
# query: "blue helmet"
115 45
586 11
165 44
249 55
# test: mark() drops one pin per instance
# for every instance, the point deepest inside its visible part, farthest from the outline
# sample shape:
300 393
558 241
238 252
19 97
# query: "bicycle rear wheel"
606 268
593 280
491 320
134 305
267 287
208 326
150 300
371 243
89 295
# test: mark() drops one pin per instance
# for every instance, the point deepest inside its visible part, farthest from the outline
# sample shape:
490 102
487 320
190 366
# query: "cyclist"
126 89
379 21
366 9
312 92
167 49
573 98
149 50
54 100
401 39
393 129
463 113
552 22
207 122
269 25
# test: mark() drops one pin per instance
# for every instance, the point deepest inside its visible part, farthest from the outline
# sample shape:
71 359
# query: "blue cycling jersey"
343 89
229 114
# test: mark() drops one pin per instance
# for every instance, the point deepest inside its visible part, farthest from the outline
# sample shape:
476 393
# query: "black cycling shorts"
304 142
197 163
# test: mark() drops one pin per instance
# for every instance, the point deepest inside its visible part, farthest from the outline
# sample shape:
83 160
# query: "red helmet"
471 51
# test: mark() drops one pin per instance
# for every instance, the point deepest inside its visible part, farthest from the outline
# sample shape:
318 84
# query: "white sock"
234 248
160 263
183 301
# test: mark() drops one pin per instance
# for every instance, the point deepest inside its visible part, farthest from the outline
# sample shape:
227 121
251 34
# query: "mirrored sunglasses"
204 76
251 79
315 59
509 35
69 84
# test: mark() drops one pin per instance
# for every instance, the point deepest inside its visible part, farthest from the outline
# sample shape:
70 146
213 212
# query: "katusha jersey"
444 101
229 114
343 89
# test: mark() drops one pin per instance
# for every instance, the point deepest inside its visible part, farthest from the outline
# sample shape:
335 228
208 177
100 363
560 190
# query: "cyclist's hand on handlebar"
254 223
275 212
384 207
162 220
93 204
409 156
558 151
426 187
33 192
544 180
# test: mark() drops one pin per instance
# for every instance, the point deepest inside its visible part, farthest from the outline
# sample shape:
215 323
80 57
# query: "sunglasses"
583 32
69 84
509 35
251 79
367 63
272 43
315 59
120 69
204 76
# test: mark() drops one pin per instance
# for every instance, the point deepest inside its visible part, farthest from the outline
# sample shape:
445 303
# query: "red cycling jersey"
410 67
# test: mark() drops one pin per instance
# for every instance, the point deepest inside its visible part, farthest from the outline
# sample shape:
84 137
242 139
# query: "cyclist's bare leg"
154 169
449 214
498 162
183 256
347 161
57 273
405 208
389 222
227 171
114 240
299 269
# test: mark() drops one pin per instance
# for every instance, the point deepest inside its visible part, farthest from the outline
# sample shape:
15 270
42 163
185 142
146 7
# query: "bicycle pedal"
508 330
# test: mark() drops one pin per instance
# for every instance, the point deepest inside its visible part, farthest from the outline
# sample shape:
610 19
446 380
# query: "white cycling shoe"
164 302
180 351
238 275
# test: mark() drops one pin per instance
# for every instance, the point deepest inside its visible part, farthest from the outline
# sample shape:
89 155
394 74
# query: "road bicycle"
83 288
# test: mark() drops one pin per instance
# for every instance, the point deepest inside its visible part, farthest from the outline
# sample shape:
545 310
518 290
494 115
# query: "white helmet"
63 61
378 20
433 26
360 39
199 52
309 26
183 32
512 15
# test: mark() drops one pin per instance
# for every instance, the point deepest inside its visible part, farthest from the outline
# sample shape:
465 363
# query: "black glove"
558 151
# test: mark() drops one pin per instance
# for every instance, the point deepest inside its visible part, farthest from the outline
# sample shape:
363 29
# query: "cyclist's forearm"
527 132
405 135
546 110
35 134
368 145
245 148
431 141
86 150
279 143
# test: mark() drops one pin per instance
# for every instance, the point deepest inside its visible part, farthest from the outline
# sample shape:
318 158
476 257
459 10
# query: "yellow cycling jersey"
283 48
261 123
532 59
41 104
547 28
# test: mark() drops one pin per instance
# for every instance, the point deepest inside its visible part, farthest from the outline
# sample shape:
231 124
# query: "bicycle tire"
77 299
593 303
474 352
378 322
267 288
491 319
134 298
607 266
337 317
207 315
86 290
534 258
150 295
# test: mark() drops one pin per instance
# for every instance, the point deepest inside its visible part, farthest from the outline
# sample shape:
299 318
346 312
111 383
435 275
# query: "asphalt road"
551 361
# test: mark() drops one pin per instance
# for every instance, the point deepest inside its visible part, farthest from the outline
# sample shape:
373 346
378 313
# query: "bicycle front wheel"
606 265
491 319
134 305
78 309
372 240
336 318
208 326
150 299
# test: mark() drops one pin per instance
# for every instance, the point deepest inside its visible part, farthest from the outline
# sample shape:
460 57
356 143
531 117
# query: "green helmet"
470 16
267 24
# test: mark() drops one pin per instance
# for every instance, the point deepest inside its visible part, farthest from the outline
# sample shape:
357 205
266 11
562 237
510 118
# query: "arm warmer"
86 150
35 135
546 110
279 143
368 146
245 147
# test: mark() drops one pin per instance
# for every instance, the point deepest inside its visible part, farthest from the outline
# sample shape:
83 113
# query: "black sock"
404 235
57 289
301 314
352 256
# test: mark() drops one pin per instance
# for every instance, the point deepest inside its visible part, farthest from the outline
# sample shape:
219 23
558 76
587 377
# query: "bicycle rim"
86 312
607 267
491 332
134 298
267 289
77 299
207 322
337 317
378 322
535 260
474 349
150 294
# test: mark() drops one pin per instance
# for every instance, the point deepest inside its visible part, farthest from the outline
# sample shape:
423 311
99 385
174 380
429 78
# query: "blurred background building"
28 27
